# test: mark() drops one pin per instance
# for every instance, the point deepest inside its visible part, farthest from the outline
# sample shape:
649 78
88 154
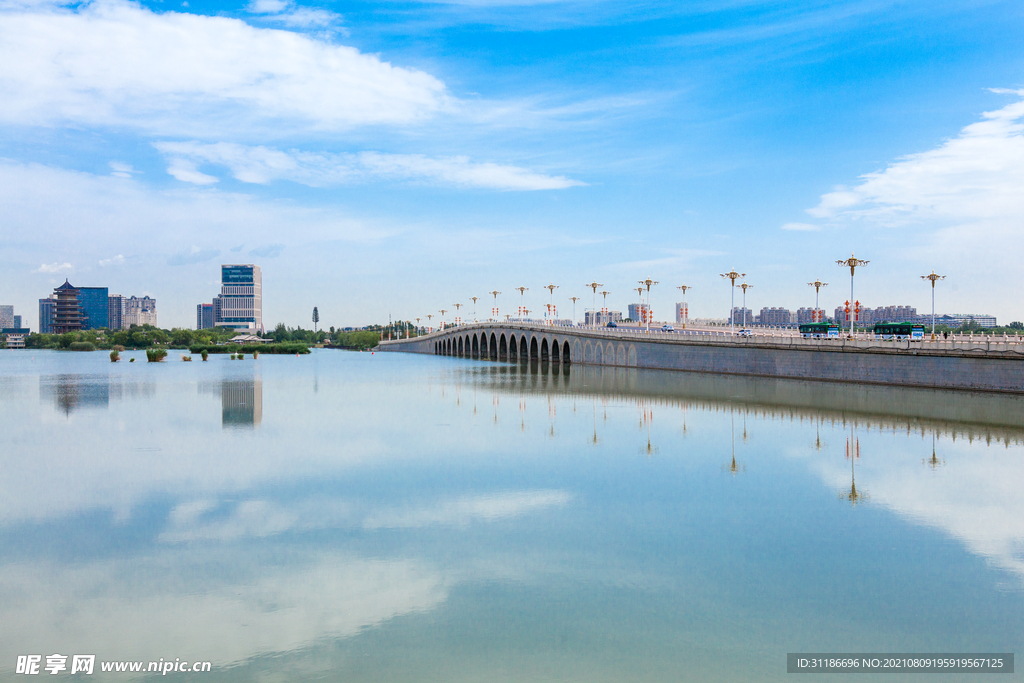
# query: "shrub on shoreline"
233 349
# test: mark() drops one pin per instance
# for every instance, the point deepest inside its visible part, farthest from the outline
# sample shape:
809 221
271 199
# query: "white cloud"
801 227
263 164
113 261
975 176
53 268
115 63
290 14
122 170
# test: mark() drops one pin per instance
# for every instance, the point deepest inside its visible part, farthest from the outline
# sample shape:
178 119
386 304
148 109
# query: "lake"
390 517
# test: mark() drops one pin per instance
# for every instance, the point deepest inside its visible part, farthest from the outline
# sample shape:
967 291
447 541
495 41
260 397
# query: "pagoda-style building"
67 313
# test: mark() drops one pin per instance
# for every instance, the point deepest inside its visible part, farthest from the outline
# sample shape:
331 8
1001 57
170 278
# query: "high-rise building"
7 317
67 315
743 316
640 313
810 315
216 309
204 316
241 295
682 313
17 321
115 312
46 312
139 311
776 316
95 307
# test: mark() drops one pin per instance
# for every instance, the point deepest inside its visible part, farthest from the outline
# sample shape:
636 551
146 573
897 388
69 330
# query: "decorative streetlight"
686 311
594 285
574 299
744 286
933 277
429 316
604 304
494 311
732 275
852 263
457 307
640 292
522 304
473 299
442 317
417 326
817 284
648 282
551 305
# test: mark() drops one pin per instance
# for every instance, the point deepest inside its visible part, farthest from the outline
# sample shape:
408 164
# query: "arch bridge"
520 342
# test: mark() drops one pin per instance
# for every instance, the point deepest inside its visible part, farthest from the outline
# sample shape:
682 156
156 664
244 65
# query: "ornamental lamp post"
457 307
429 316
852 263
686 311
594 285
732 275
417 326
640 293
933 277
473 299
744 286
442 317
817 284
522 305
574 299
551 304
604 305
648 282
494 311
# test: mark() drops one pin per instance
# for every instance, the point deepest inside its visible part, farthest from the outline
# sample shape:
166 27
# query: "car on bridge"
611 323
745 333
667 328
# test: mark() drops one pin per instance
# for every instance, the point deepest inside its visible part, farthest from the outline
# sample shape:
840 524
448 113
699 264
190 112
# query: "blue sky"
399 157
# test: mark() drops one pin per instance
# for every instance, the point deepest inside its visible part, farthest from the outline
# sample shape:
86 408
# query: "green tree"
316 318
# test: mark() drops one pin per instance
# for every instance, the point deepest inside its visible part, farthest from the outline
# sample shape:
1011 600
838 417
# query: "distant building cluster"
70 309
882 314
239 305
10 327
602 317
640 313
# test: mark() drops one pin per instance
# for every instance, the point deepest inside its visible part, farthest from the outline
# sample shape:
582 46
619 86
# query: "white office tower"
682 313
241 297
139 311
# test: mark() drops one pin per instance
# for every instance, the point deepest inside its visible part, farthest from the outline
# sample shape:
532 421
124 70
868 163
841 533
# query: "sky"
392 159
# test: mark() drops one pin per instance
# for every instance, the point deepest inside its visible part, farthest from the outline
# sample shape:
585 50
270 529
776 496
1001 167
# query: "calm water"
390 517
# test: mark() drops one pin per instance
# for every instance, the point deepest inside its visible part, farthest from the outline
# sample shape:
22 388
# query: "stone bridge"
980 364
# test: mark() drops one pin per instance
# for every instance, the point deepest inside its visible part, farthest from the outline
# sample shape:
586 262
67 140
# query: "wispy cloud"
53 268
269 251
291 14
115 62
801 227
193 255
112 261
263 164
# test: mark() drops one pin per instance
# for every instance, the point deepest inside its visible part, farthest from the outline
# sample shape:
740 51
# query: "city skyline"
434 152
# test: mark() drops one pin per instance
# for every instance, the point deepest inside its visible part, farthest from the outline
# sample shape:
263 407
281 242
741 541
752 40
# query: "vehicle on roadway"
667 328
745 333
819 330
899 331
611 323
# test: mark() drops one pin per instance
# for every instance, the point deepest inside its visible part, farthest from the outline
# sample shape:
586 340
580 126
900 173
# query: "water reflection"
69 392
241 401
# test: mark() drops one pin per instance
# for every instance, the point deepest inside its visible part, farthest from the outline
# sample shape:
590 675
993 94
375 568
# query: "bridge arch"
534 352
609 353
556 356
460 347
513 349
502 347
598 353
524 353
494 347
476 347
566 356
544 355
